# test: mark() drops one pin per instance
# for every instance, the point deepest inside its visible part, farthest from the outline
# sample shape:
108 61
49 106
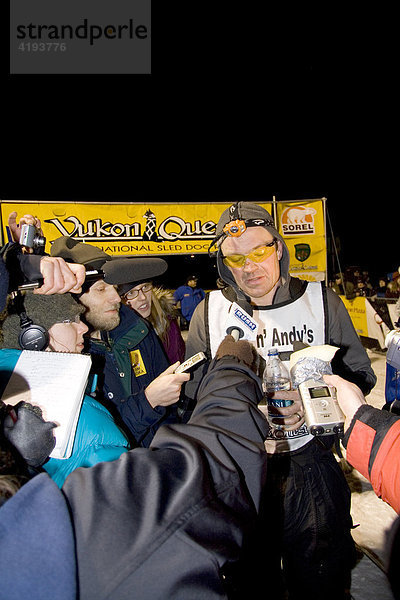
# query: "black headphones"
31 336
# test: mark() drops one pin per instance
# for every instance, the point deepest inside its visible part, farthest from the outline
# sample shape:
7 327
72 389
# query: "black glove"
241 349
31 435
395 407
11 254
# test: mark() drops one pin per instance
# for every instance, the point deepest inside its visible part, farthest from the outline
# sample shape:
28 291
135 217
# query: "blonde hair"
162 311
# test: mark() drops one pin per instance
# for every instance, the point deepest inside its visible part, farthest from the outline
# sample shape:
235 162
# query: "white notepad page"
56 382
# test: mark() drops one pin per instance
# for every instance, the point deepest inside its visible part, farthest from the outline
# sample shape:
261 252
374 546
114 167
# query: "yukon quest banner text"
127 229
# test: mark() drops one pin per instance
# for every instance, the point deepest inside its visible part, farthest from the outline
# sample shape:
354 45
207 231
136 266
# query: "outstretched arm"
372 440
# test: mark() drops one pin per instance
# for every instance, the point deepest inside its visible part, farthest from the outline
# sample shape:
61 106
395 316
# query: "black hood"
248 211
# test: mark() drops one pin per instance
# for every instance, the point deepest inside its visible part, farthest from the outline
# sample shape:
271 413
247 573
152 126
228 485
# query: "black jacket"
165 522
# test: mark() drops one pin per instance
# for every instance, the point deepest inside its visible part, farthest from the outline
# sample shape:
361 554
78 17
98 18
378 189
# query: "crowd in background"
356 282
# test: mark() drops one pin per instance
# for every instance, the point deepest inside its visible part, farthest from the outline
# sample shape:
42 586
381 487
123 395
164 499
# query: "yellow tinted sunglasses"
236 261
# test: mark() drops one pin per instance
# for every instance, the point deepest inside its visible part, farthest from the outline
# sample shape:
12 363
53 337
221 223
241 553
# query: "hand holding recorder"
349 396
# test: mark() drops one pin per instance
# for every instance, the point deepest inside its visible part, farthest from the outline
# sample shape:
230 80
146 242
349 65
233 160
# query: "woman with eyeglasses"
97 437
156 305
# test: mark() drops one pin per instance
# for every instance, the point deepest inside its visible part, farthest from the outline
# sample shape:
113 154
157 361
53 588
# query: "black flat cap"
116 270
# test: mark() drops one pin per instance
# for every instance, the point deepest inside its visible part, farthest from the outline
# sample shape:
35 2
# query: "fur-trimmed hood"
167 302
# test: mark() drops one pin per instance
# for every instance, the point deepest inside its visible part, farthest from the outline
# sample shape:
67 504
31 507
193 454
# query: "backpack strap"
207 326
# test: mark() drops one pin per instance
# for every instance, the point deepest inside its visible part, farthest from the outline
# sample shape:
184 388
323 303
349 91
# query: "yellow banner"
302 226
127 229
358 314
366 320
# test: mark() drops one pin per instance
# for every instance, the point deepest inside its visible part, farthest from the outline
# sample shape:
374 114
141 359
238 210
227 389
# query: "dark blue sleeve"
178 294
19 266
143 420
3 284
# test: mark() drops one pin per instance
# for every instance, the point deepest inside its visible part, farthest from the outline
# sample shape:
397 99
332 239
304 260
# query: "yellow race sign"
358 313
302 225
367 322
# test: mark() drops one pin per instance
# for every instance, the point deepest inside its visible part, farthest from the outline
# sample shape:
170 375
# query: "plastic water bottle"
276 377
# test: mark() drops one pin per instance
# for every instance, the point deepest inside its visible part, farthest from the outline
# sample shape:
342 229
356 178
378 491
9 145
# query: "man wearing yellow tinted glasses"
307 500
256 271
259 254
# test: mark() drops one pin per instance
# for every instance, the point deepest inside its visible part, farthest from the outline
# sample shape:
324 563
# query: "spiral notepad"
56 382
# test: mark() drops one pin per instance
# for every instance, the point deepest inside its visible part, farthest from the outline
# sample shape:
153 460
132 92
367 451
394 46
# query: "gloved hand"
31 435
241 349
394 407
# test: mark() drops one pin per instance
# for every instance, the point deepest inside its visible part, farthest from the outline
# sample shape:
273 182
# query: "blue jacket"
97 436
189 298
37 548
133 357
97 439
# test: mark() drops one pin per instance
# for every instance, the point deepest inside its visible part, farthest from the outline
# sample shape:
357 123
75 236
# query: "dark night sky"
294 102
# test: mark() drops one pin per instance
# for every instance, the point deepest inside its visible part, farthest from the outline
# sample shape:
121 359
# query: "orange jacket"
373 448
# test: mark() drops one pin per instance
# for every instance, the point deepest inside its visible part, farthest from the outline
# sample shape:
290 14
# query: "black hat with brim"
116 270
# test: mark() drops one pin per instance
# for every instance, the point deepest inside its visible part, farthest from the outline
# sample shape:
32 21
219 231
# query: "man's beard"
102 321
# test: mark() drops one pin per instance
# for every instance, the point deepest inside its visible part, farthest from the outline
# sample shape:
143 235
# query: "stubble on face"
101 313
102 321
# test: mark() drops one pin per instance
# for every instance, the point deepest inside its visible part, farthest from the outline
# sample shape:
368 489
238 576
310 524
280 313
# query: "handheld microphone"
240 324
116 271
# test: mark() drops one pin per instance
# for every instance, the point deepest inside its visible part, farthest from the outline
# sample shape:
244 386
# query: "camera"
392 343
322 413
392 383
31 238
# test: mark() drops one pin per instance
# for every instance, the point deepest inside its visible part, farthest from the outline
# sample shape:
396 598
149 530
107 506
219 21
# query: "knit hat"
116 270
42 310
252 215
240 216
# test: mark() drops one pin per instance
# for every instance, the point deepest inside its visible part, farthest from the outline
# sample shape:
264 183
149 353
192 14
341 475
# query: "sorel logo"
244 319
298 220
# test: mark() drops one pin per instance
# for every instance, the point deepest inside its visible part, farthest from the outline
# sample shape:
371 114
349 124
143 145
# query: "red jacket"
373 448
